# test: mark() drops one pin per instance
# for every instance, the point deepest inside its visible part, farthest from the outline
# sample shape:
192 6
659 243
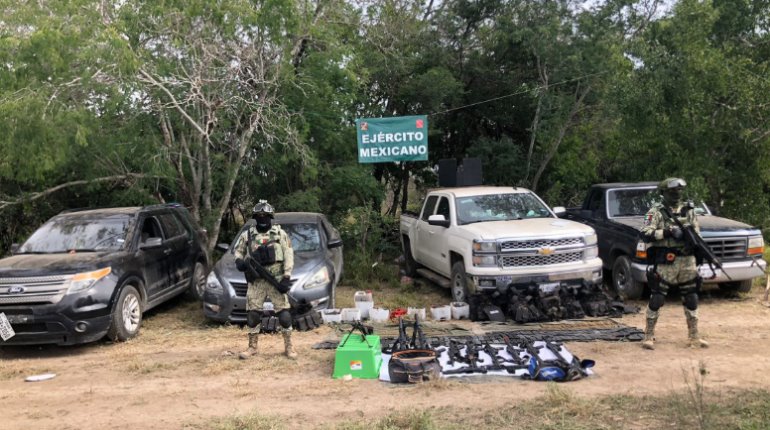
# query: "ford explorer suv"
89 273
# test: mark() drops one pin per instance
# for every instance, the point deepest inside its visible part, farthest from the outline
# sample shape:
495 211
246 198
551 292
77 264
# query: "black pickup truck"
616 211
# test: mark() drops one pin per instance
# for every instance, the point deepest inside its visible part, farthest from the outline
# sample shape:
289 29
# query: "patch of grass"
420 293
254 421
412 420
138 367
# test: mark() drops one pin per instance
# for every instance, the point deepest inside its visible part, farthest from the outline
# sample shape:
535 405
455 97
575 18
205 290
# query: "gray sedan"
317 269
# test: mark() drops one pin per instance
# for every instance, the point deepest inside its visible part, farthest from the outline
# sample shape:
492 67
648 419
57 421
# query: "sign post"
382 140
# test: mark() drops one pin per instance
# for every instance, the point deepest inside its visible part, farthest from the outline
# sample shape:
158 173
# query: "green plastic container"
358 358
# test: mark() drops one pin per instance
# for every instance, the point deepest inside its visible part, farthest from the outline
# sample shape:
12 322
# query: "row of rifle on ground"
415 359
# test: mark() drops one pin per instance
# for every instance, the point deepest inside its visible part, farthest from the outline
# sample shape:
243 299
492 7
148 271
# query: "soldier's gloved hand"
285 284
674 232
240 264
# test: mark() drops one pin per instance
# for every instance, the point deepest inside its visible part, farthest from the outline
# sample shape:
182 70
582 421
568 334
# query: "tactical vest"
270 239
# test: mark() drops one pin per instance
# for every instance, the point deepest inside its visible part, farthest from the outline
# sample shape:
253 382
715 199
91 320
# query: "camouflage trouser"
261 289
683 269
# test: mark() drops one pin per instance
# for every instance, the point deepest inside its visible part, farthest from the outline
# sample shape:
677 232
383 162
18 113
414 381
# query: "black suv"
89 273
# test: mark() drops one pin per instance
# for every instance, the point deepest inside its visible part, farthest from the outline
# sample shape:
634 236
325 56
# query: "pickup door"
430 242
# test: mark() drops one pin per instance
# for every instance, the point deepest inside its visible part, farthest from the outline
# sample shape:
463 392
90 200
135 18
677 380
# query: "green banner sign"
403 138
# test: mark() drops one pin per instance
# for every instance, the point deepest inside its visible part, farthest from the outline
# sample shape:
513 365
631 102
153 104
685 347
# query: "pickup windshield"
636 202
499 207
74 233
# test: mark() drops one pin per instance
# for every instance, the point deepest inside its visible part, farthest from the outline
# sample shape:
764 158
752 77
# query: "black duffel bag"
413 366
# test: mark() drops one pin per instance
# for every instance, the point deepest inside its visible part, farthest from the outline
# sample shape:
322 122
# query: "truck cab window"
443 208
427 210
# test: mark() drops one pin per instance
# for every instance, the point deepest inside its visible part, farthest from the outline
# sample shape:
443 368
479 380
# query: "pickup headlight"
590 239
319 279
485 260
84 281
756 245
591 252
212 283
484 246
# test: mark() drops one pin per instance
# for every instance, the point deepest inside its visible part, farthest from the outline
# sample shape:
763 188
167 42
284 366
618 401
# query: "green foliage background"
552 95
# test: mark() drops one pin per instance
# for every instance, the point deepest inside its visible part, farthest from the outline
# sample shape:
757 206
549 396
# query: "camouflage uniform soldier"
673 262
270 246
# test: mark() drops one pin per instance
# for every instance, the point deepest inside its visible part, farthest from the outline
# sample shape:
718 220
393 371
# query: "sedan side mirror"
559 210
153 242
438 220
222 247
334 244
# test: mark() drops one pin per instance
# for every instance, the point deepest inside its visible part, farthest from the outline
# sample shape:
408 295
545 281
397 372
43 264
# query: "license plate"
6 331
548 286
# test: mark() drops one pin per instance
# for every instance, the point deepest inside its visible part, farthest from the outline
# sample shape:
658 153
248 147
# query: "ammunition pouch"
264 254
413 366
270 322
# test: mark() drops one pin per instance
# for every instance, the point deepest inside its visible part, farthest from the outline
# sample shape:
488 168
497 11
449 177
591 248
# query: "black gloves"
240 264
285 285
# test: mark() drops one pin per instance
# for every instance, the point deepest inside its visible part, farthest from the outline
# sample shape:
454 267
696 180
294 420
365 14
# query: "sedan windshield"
304 237
72 233
499 207
637 202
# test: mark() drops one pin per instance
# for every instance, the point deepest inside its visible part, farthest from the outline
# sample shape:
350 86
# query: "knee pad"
690 301
284 318
253 318
657 301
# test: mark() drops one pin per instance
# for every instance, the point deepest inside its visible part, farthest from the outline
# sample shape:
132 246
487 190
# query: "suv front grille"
240 288
543 243
728 248
37 290
541 260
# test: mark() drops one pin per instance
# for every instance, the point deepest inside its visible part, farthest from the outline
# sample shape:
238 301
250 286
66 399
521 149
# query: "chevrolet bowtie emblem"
545 251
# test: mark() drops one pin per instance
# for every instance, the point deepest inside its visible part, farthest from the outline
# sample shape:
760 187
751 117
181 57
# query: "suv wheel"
198 282
127 315
739 286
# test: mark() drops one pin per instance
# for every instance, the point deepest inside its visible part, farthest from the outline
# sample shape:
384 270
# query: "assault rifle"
402 343
254 271
693 241
492 353
471 358
513 351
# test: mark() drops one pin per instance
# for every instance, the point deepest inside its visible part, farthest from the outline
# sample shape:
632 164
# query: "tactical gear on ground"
252 350
288 347
649 331
692 329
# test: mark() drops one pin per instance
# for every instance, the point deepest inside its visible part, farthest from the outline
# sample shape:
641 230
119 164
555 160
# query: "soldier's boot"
649 330
252 350
288 347
695 340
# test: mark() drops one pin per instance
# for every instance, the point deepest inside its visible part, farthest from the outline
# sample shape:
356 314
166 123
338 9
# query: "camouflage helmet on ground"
263 208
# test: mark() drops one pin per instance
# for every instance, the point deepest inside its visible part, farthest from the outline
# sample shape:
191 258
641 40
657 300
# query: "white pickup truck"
487 239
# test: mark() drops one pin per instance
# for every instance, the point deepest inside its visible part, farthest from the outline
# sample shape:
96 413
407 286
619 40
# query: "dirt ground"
177 373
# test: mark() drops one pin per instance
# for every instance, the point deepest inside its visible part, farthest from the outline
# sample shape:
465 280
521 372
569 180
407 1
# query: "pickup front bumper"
738 271
588 273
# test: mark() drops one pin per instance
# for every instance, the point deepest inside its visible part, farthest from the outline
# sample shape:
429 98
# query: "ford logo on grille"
16 289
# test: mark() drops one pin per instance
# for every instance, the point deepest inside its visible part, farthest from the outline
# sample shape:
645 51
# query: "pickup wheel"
739 286
410 265
459 286
126 316
623 280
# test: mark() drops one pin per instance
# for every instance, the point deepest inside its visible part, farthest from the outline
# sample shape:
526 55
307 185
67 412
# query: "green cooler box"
358 357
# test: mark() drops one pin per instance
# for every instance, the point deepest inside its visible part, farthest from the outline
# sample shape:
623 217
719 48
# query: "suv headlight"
590 239
756 245
84 281
479 246
319 279
212 282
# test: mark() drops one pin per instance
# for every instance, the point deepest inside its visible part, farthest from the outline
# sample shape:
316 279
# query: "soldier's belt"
664 255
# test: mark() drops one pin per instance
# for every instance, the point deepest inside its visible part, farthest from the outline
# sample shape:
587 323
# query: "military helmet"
671 183
263 208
